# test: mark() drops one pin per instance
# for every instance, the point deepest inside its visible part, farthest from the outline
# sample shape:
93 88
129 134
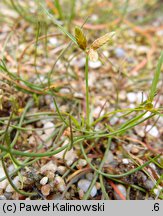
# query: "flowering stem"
87 92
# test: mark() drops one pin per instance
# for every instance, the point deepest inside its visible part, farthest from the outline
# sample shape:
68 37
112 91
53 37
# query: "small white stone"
92 79
80 63
16 182
84 184
39 132
157 190
95 65
61 169
142 50
78 95
109 158
149 184
70 156
106 53
114 120
44 180
153 131
29 131
125 161
89 176
153 166
53 41
2 197
131 106
49 128
140 131
131 96
97 111
4 183
43 138
94 17
31 140
11 168
51 166
119 52
122 189
98 185
82 162
52 106
60 184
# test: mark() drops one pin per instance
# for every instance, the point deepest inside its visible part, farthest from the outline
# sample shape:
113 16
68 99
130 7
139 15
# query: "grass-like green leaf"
59 25
156 78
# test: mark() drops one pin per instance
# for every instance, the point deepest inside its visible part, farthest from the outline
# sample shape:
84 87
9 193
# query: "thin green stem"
96 173
87 92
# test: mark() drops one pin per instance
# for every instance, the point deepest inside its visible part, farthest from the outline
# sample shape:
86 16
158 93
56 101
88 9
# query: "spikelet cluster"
80 38
102 40
93 54
92 51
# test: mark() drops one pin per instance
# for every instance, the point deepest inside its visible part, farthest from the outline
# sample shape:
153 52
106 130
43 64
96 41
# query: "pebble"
60 184
4 183
122 189
17 184
109 158
49 166
49 128
45 137
132 97
84 184
61 169
114 120
53 41
45 190
80 63
44 180
70 156
97 111
98 185
149 184
31 140
52 107
50 175
2 197
125 161
48 99
140 131
82 163
95 65
29 131
142 50
122 95
153 131
81 193
119 52
11 168
92 80
89 176
134 150
157 190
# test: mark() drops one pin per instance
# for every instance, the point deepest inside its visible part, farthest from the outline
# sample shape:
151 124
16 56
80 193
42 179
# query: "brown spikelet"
80 38
102 40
